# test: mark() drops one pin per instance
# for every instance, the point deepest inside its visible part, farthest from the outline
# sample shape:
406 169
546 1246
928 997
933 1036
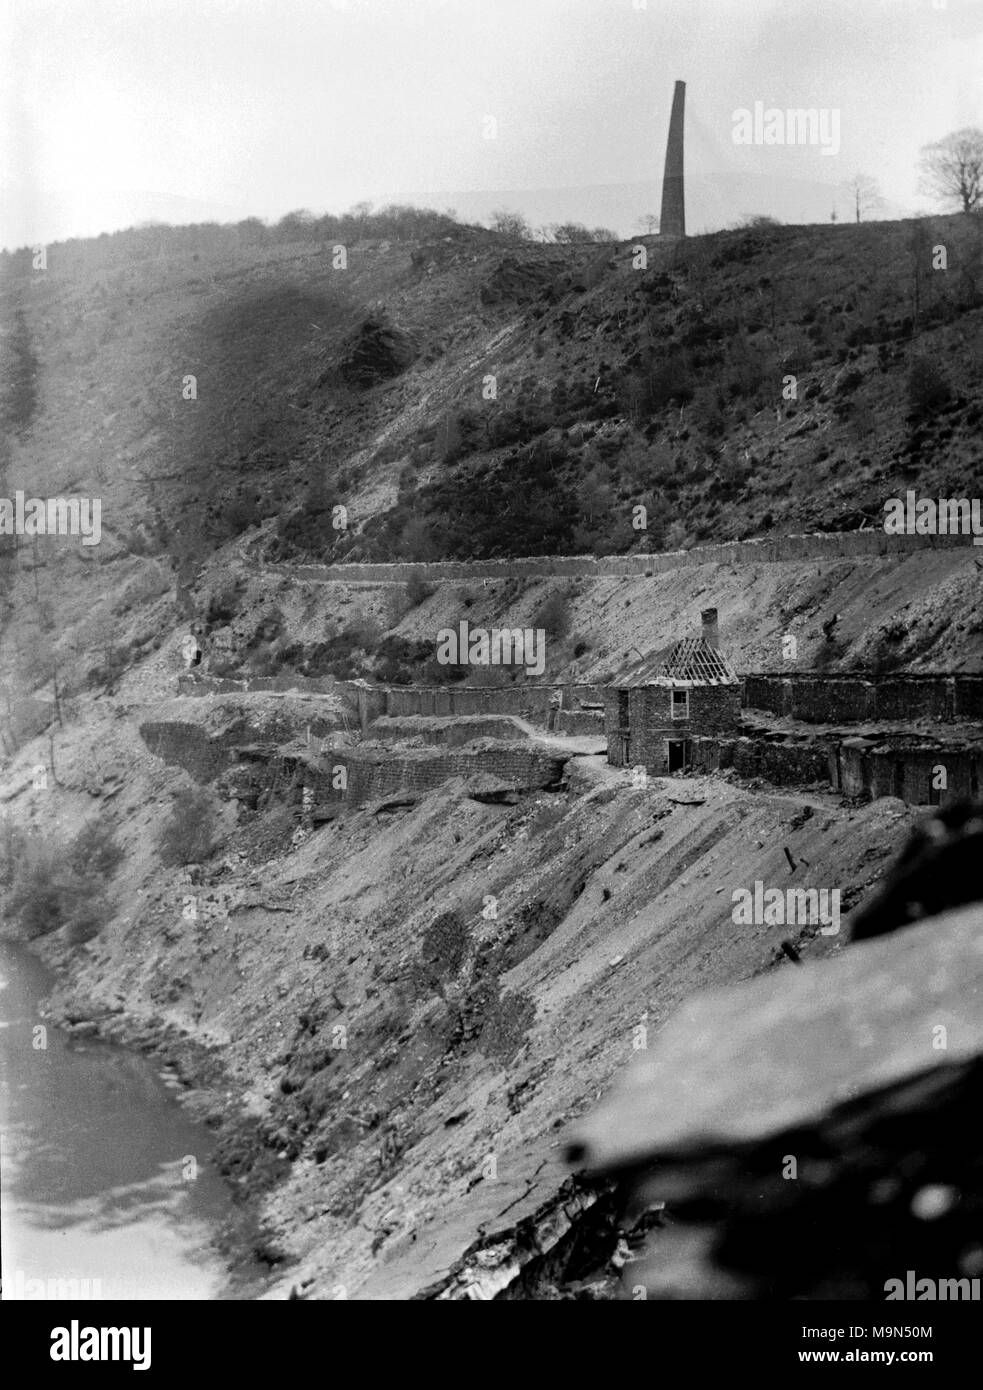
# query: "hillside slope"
614 385
391 1019
369 389
466 1035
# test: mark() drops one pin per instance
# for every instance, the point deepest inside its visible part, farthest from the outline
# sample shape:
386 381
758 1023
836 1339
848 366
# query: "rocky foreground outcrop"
813 1132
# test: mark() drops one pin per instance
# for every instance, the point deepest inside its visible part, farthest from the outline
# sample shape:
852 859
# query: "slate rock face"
882 1185
736 1064
939 868
377 351
812 1132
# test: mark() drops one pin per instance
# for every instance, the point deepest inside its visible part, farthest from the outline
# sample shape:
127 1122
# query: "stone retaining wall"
834 698
342 777
525 701
783 764
450 733
915 775
374 774
854 767
780 549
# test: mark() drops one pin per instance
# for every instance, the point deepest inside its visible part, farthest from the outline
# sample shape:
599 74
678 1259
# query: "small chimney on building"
711 633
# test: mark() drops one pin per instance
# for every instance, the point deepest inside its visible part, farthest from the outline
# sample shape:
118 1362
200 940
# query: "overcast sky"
118 111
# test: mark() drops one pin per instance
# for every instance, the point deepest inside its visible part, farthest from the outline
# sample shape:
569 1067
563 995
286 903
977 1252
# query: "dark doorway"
899 780
678 754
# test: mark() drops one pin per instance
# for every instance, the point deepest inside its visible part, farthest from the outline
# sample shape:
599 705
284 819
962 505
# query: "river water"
104 1177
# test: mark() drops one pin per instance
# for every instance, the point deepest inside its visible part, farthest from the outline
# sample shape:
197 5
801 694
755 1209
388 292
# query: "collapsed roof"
691 661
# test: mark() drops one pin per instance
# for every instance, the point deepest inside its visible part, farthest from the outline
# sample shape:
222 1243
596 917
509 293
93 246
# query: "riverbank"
113 1175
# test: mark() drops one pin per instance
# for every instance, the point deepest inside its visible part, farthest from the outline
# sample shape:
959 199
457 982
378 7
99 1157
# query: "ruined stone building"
653 711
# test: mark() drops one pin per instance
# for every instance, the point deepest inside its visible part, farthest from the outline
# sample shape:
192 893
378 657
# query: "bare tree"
569 233
360 214
296 224
511 224
866 194
648 223
952 168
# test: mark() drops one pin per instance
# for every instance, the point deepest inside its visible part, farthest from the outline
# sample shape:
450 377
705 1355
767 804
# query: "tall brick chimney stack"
673 221
711 632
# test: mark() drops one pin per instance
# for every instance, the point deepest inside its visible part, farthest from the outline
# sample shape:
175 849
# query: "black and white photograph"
491 668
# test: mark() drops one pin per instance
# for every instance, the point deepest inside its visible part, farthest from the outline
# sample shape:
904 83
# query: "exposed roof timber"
692 661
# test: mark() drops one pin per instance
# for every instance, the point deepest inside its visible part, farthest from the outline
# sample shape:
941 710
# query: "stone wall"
202 755
969 698
854 767
833 698
580 723
783 763
239 685
366 773
911 773
902 698
347 779
525 701
781 549
814 698
373 774
450 733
